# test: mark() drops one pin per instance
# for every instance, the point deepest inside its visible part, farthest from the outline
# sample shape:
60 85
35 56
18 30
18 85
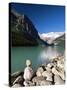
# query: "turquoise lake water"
38 55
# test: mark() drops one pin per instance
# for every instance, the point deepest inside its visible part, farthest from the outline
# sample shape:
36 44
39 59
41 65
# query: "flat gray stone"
58 80
18 80
16 86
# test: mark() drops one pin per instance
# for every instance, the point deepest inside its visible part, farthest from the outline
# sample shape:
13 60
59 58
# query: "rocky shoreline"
51 74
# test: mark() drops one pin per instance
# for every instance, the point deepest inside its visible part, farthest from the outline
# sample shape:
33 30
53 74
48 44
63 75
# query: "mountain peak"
49 37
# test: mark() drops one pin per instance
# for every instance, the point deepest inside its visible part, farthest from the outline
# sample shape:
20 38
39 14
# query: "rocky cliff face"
23 32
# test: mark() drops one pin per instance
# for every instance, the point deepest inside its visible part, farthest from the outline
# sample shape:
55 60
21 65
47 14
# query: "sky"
45 18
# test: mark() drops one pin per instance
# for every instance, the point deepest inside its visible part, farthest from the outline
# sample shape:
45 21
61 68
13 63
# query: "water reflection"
48 53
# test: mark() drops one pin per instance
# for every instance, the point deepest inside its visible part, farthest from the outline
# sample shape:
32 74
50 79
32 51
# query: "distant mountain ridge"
51 37
60 40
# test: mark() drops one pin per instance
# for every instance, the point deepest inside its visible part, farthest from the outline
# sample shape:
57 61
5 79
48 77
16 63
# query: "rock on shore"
51 74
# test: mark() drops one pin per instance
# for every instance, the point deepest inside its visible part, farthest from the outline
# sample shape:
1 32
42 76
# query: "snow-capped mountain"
51 36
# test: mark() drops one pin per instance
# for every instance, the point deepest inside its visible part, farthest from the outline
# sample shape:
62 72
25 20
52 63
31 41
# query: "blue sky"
46 18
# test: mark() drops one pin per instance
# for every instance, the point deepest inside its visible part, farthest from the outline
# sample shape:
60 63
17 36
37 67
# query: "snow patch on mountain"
49 37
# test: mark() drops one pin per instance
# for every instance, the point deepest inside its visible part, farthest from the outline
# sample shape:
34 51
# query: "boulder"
48 69
37 80
58 71
39 72
50 65
40 81
54 71
62 74
45 82
25 84
58 80
60 64
28 83
28 62
48 75
28 73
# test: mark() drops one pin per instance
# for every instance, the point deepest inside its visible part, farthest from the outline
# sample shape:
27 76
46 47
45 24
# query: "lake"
38 55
